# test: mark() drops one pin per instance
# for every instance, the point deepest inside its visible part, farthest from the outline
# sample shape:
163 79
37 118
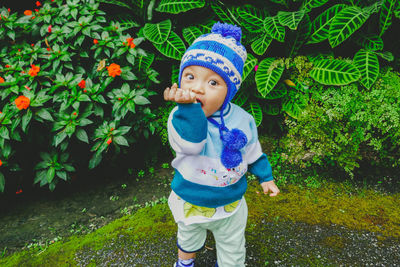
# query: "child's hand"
270 186
179 95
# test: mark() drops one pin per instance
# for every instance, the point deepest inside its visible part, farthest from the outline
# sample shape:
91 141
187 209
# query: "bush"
346 125
73 87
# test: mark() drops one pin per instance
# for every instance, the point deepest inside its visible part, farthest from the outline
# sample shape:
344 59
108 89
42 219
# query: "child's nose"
198 88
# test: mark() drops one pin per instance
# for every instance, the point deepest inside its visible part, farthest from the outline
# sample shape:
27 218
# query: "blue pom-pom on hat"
227 30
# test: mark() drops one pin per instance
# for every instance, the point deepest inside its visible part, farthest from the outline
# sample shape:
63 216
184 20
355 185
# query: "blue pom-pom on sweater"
233 141
227 30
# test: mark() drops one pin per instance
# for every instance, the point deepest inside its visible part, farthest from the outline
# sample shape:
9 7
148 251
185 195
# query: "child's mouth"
199 101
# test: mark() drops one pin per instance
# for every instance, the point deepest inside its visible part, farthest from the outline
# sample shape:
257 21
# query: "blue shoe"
216 264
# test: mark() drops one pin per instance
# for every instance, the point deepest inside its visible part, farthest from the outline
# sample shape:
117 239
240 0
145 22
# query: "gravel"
269 243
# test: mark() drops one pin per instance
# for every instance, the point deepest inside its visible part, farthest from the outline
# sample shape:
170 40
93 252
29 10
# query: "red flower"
22 102
256 68
95 41
28 12
32 45
74 113
109 141
114 70
82 84
18 192
48 48
9 10
0 17
7 66
49 28
36 10
112 129
1 80
34 70
85 91
38 3
1 163
27 87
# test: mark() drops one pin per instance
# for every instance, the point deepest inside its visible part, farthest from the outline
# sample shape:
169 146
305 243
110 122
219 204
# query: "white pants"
228 234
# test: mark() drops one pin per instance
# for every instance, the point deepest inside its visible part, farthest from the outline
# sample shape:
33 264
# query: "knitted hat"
222 52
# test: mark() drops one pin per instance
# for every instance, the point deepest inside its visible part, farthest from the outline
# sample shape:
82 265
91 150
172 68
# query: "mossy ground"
330 204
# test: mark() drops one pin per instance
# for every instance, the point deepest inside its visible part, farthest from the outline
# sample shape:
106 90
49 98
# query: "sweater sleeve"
187 128
262 169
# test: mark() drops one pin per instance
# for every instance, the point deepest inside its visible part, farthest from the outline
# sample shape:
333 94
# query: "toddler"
216 143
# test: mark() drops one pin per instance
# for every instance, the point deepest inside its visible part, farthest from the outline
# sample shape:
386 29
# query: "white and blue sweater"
200 178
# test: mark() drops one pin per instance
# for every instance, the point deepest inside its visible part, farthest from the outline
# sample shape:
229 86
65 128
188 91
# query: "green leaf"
294 103
222 12
267 76
141 100
62 175
251 18
173 47
386 55
345 23
120 140
157 33
255 110
82 135
26 119
2 182
191 33
271 108
279 91
59 137
50 174
95 160
334 72
249 65
290 19
179 6
128 76
241 98
261 44
320 26
310 4
369 41
274 28
4 133
368 65
131 59
144 62
301 36
386 14
44 114
84 98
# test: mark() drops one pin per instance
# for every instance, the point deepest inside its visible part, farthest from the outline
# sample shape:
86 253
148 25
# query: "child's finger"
166 94
175 86
172 93
178 95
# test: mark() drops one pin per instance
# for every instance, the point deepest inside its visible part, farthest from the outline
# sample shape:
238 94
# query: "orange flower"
22 102
34 70
113 70
1 163
109 141
130 42
95 41
7 66
82 84
1 80
38 3
28 12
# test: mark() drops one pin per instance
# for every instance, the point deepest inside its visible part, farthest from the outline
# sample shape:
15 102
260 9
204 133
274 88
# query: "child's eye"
190 76
213 83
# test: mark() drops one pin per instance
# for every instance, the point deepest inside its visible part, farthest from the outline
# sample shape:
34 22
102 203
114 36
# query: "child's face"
209 87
